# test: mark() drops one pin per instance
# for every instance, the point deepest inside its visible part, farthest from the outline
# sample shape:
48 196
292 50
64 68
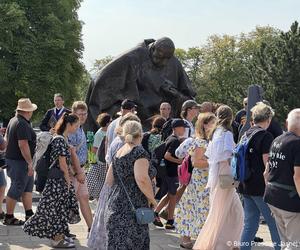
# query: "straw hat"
24 104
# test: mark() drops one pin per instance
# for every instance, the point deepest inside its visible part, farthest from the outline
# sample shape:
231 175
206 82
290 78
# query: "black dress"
123 232
58 205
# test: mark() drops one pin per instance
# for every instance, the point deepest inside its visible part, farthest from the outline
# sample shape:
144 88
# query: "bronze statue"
147 74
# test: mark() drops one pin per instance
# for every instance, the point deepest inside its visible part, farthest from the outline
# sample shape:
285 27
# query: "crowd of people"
180 169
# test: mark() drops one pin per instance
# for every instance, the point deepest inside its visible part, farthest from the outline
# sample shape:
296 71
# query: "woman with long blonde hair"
193 207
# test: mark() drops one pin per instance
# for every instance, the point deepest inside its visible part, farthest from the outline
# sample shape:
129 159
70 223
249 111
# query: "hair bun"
129 138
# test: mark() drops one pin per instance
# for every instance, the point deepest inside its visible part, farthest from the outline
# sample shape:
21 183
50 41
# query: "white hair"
293 119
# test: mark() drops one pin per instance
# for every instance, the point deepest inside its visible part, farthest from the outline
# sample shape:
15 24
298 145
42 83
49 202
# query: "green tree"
40 47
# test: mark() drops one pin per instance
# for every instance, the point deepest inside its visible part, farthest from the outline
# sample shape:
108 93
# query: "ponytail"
66 118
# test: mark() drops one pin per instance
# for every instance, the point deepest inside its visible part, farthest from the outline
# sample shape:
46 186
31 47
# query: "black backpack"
101 150
166 130
42 170
157 160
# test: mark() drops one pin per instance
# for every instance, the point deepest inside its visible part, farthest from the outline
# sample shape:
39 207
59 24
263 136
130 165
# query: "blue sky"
113 26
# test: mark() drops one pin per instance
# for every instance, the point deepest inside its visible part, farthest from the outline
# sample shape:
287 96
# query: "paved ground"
13 238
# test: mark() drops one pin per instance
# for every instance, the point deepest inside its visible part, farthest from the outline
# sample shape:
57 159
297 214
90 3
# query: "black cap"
128 104
179 123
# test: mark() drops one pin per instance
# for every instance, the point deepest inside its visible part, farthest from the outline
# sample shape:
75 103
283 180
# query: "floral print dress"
193 207
58 205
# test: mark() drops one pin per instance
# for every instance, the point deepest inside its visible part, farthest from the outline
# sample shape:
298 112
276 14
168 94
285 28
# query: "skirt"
57 208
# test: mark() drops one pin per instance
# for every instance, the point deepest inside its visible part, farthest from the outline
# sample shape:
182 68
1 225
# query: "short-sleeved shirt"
284 156
59 147
100 134
260 144
1 139
116 144
172 144
111 134
19 129
78 140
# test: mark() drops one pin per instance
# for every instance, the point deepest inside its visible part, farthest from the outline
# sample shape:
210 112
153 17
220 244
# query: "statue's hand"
169 89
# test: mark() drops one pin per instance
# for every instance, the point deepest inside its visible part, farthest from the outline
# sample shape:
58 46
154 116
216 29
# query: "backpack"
166 130
240 168
101 150
157 160
41 159
184 173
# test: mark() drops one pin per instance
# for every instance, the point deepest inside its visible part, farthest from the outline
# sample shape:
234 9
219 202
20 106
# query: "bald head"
293 121
161 51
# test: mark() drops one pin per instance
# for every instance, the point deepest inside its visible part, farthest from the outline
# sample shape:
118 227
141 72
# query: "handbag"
143 215
95 179
226 181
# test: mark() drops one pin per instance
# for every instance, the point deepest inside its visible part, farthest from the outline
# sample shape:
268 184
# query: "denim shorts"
172 184
2 178
20 181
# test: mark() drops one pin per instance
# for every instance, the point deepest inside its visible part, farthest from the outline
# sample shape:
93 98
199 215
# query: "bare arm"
25 151
170 158
141 167
94 150
3 145
297 178
266 173
265 158
109 180
198 159
78 171
64 168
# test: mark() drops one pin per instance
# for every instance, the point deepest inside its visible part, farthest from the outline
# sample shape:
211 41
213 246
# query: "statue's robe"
132 75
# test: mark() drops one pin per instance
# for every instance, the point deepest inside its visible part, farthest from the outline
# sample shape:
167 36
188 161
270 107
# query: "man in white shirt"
126 107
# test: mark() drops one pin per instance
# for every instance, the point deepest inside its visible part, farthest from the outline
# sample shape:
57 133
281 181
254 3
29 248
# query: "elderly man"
147 74
21 141
165 110
283 182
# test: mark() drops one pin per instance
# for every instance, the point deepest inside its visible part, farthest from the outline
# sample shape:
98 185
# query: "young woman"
224 222
193 207
58 205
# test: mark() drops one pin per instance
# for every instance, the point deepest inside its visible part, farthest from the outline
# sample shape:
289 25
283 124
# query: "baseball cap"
128 104
179 123
189 104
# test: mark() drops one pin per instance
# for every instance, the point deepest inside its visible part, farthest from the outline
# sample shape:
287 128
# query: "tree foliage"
40 51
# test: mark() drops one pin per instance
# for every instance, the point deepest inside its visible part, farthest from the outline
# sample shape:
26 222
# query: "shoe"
69 235
69 239
187 245
157 222
2 216
169 226
258 239
164 214
62 244
13 222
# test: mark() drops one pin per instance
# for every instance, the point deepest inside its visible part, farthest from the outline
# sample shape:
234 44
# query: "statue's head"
161 51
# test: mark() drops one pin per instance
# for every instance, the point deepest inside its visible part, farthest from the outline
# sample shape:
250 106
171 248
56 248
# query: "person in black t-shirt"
283 181
171 162
21 141
253 189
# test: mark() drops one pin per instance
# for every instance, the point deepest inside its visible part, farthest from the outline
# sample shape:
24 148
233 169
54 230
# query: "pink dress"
224 224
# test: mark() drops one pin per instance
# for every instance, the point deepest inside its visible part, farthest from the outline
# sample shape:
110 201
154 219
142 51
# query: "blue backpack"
240 168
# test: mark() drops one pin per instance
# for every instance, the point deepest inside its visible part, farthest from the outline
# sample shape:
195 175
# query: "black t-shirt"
284 156
172 143
19 129
260 144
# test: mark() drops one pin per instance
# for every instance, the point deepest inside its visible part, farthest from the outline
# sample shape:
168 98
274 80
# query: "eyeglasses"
81 114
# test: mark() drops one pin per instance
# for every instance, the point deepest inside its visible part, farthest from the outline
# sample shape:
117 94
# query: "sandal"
62 244
13 222
187 245
2 216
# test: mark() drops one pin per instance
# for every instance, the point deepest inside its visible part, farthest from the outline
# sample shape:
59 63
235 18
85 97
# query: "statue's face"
161 56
